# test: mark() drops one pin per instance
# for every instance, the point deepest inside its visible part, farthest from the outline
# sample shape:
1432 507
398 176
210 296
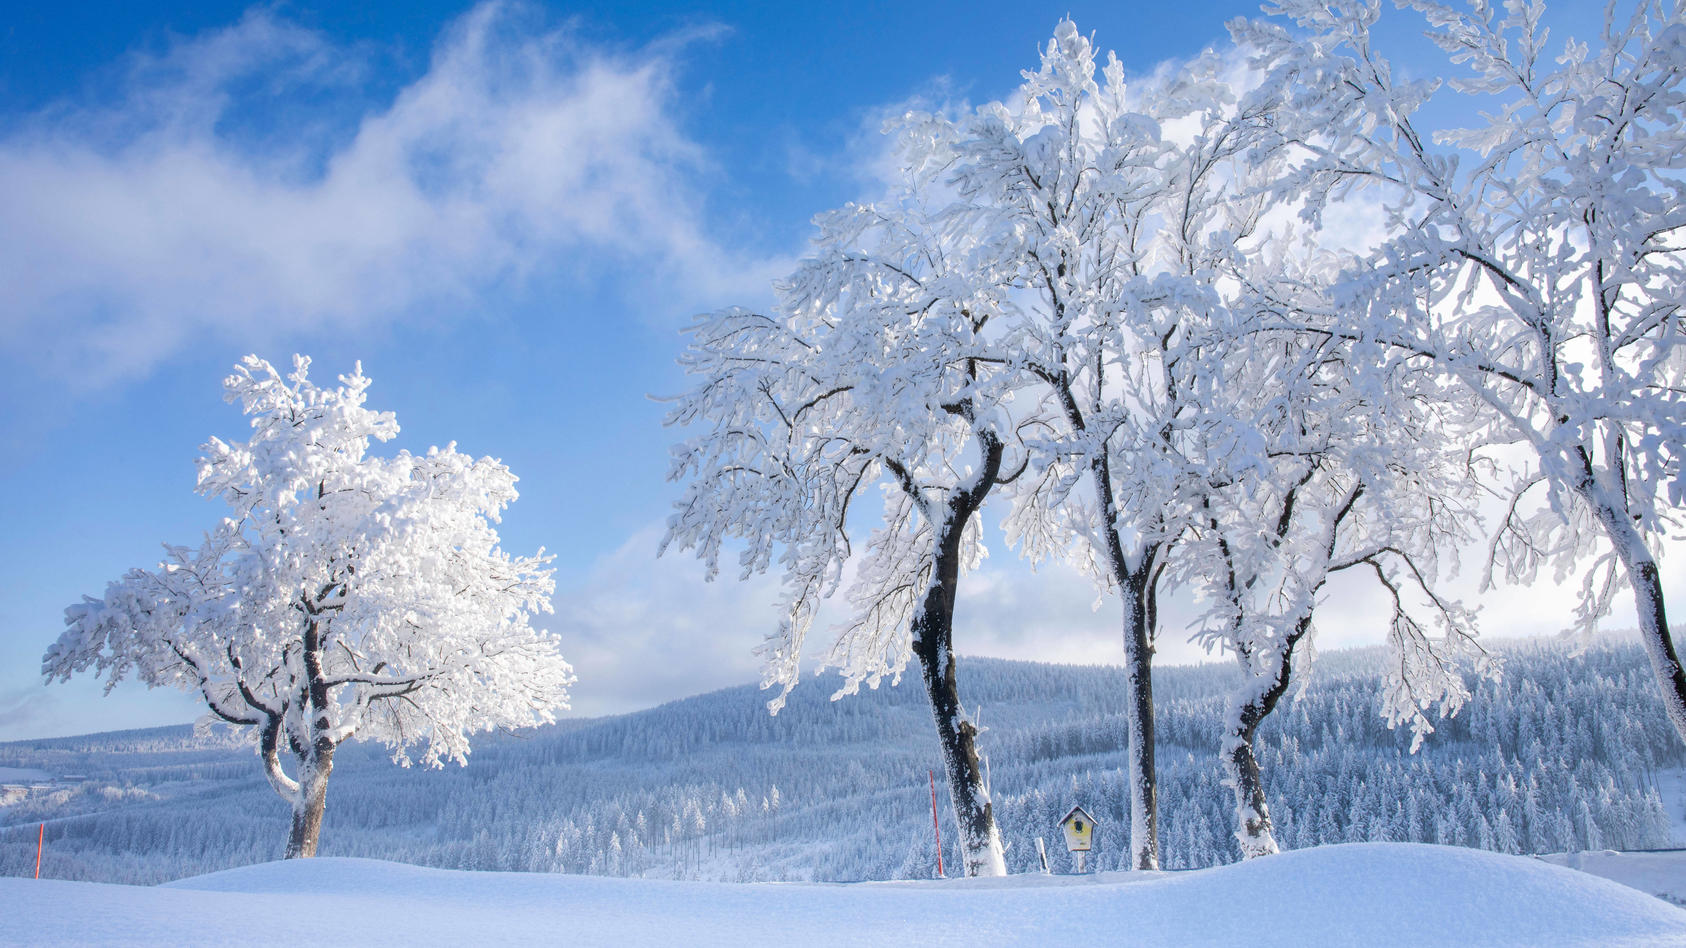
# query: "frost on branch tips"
345 595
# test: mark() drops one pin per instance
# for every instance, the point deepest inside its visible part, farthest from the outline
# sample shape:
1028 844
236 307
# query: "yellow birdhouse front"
1079 829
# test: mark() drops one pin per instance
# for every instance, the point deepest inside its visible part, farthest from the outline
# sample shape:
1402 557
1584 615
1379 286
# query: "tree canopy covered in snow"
878 370
1345 485
347 595
1535 260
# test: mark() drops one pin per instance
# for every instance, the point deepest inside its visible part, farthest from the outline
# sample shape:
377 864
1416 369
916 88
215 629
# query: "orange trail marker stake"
939 830
40 839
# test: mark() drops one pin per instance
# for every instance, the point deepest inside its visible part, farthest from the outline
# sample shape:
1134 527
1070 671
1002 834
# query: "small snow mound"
1410 893
1359 894
326 874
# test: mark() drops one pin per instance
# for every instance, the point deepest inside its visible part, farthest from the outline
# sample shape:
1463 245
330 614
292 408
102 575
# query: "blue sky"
505 212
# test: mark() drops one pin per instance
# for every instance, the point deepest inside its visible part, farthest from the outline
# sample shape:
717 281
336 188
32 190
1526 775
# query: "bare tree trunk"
1258 698
1135 580
311 802
1659 644
1137 583
1138 695
1647 585
933 637
316 757
973 811
1254 829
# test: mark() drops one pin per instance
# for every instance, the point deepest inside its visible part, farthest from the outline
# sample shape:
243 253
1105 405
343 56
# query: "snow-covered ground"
1662 874
1671 786
1360 894
23 775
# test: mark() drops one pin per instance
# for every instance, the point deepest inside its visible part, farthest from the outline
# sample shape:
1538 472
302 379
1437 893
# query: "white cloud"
640 631
1005 610
186 209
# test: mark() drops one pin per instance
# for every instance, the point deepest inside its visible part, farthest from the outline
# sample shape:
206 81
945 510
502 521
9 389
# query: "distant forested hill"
1563 753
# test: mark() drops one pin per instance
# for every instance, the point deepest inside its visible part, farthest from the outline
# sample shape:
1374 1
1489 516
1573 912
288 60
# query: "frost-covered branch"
1526 258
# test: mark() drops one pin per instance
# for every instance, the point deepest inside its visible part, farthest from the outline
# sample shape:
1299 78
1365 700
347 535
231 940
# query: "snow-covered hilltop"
1557 756
1367 894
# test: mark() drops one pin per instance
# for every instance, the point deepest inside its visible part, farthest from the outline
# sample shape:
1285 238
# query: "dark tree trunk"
1646 581
312 802
932 633
932 630
316 758
1138 586
1136 582
1138 694
1254 829
1659 644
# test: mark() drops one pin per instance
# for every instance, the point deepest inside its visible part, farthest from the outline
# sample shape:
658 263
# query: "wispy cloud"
24 708
640 630
1053 614
218 194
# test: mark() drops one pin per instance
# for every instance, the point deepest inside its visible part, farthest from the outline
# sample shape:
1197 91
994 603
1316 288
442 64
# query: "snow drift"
1359 894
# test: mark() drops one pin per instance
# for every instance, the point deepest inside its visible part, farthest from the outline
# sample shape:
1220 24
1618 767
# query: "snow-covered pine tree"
346 596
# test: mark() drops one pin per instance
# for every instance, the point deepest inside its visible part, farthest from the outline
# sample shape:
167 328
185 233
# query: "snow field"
1662 874
1359 894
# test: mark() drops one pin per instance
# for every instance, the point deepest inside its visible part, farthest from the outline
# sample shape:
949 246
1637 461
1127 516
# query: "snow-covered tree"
1036 300
1538 258
877 372
1115 215
346 596
1362 473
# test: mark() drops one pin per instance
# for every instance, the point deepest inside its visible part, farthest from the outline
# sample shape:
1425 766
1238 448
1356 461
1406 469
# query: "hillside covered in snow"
1369 894
1565 753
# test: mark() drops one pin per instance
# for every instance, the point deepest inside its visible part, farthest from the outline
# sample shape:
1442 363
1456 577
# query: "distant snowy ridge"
1565 753
1395 894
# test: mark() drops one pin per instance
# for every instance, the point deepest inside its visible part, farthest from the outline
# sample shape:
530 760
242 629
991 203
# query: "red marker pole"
40 840
939 830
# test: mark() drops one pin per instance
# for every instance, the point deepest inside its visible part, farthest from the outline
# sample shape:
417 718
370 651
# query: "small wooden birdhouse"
1079 828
